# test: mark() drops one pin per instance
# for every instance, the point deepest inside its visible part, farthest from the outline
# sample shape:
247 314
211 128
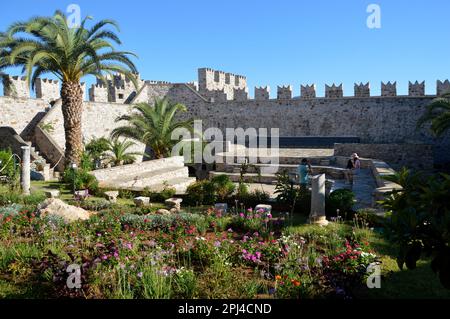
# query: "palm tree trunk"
72 108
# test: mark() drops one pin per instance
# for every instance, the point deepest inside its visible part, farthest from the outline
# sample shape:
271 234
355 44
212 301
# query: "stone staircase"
152 175
40 168
264 173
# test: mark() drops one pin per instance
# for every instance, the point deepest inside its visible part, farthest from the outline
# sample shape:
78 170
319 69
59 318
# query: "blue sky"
275 42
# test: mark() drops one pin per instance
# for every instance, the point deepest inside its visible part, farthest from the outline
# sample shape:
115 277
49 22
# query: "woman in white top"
356 164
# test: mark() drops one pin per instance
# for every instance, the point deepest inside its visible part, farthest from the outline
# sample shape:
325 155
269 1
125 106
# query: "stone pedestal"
112 196
142 201
174 204
26 170
318 215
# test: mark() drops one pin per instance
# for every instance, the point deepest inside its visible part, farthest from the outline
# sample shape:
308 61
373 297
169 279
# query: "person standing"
349 171
304 171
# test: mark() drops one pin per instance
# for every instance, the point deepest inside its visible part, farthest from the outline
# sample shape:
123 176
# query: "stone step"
269 178
149 178
282 160
179 183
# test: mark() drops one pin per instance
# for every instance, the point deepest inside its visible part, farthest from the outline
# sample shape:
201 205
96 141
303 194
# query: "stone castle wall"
385 119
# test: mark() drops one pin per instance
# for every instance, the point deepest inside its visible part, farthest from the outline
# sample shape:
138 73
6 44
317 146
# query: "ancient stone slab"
53 193
142 201
318 215
112 196
56 207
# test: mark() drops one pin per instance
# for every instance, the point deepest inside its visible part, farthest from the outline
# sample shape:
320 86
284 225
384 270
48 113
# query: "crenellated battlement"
210 80
416 89
442 87
47 89
362 90
334 91
15 86
284 92
389 89
308 91
262 93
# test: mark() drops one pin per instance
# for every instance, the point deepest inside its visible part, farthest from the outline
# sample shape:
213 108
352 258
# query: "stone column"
26 170
318 215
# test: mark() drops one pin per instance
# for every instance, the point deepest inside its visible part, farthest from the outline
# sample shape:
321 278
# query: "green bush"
8 167
97 147
255 197
223 187
81 179
160 197
342 200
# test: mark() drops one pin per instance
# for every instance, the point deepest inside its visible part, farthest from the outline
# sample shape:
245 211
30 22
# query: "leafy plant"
438 114
342 200
154 125
419 220
119 153
96 148
50 45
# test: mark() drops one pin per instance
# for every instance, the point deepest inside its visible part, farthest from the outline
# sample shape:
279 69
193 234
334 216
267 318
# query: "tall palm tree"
119 153
48 45
153 125
438 113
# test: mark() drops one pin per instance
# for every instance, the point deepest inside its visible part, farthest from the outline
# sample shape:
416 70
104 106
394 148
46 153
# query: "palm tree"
153 125
119 154
48 45
438 113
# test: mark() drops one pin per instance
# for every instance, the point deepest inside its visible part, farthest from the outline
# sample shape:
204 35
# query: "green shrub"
160 197
81 179
342 200
9 167
200 193
223 187
255 197
97 147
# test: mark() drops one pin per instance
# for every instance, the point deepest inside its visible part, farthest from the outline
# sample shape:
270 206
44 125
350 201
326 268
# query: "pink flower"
241 215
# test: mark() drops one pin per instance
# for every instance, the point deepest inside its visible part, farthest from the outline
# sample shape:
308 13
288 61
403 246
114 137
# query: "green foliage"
96 148
49 45
419 220
160 197
342 200
294 197
438 114
81 179
118 152
8 166
223 187
154 125
255 197
285 190
208 192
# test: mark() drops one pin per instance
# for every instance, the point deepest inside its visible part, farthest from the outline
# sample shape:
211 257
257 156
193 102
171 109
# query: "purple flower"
230 230
217 243
140 274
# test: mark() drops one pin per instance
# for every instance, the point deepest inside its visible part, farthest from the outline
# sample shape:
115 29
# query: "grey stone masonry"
334 91
240 95
16 86
362 90
442 87
262 93
416 89
308 91
215 80
284 92
47 89
98 93
389 89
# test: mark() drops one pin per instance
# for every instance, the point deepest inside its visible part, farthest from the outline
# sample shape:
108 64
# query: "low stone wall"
21 114
10 139
49 149
379 170
416 156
